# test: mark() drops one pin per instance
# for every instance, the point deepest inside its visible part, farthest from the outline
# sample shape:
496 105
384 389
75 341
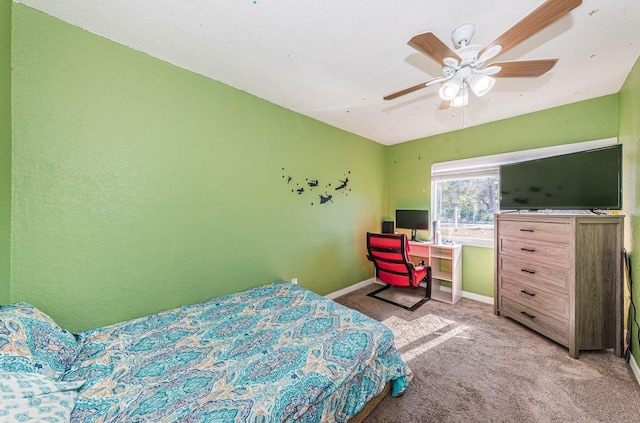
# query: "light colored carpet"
405 296
472 366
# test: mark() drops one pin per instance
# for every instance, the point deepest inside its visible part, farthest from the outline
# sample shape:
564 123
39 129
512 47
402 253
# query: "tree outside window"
465 207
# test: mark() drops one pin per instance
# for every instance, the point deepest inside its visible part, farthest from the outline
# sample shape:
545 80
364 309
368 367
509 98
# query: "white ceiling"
334 60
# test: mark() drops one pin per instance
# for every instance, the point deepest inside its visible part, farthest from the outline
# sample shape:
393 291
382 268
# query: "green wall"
140 186
409 164
629 136
5 149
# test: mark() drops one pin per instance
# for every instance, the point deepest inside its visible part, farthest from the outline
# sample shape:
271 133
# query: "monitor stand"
413 234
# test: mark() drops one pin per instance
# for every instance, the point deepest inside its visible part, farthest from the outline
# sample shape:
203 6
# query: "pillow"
32 396
31 341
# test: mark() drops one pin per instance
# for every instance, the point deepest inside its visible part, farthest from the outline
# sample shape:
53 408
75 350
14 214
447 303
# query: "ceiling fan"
466 67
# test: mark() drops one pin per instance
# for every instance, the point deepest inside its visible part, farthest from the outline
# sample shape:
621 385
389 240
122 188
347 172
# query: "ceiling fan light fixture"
462 99
450 90
481 84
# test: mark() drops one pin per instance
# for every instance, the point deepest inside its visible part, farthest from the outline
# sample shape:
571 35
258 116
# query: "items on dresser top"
560 275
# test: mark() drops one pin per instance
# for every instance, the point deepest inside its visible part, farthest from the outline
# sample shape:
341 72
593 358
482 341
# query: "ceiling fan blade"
545 14
435 81
416 87
433 47
524 67
444 105
405 91
489 70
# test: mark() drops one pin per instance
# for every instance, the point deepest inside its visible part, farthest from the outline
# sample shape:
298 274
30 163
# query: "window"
465 207
465 193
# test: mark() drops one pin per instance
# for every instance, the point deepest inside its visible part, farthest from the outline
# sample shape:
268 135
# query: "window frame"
490 165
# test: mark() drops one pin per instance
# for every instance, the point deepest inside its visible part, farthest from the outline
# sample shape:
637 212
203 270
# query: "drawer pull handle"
524 291
530 250
527 230
531 272
530 316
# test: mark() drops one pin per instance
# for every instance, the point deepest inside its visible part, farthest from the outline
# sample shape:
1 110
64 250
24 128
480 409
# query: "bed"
276 353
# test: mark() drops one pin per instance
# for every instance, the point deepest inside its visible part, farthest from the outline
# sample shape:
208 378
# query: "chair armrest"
418 267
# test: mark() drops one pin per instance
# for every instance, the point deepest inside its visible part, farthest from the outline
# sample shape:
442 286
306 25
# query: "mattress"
275 353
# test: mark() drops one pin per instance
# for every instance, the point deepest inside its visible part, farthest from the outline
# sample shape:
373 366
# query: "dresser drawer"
534 274
548 252
556 304
541 231
554 328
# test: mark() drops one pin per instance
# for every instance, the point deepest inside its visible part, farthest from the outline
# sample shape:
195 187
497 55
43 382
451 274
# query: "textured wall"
139 186
409 164
629 135
5 149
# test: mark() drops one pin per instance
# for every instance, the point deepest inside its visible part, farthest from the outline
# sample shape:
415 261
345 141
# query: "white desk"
446 267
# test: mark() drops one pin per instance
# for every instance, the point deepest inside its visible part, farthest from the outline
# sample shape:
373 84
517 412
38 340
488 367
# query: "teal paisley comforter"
276 353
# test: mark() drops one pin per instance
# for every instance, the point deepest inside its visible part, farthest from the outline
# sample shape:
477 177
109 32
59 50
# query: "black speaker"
387 227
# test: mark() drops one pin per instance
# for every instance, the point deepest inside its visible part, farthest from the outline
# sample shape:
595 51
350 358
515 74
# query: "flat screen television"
586 180
412 219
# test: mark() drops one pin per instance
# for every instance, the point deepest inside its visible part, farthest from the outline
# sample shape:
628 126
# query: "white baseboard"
477 297
635 368
465 294
471 295
351 288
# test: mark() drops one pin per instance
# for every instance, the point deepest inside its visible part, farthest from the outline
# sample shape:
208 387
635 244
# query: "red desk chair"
390 255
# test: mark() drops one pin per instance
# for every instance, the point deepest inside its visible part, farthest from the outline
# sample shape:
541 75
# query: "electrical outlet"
294 281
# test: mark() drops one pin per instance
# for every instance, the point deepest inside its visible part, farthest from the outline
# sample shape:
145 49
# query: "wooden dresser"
561 275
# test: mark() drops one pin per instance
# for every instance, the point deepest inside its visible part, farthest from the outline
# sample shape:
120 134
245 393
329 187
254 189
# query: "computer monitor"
412 219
